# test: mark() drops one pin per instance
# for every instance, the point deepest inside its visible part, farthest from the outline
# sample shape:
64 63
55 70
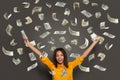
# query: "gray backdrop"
8 70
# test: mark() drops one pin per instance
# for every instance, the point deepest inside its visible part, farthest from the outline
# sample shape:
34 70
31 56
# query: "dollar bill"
36 9
104 7
7 52
83 68
52 72
74 33
108 46
84 23
74 55
86 2
112 20
100 68
51 41
64 73
53 48
28 20
15 10
37 1
24 34
75 22
48 5
19 23
94 4
47 26
68 47
37 28
101 56
13 43
98 15
91 57
90 30
67 12
60 32
41 16
60 4
9 29
109 35
40 45
101 39
33 66
62 39
64 22
26 4
32 56
7 16
45 34
86 13
54 17
20 51
85 44
103 26
76 5
16 61
74 41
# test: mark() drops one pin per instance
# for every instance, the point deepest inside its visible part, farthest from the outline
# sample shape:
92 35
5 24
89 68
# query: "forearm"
88 50
34 49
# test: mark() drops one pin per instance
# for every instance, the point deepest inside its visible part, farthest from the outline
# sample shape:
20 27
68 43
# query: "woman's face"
59 57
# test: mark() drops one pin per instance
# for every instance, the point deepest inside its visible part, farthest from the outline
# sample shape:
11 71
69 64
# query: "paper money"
20 51
67 12
64 22
100 68
85 44
85 69
74 55
75 22
48 5
76 5
89 30
47 26
74 33
28 20
108 46
15 10
98 14
62 39
60 4
64 73
101 39
41 16
26 4
54 17
68 47
86 2
7 15
112 20
101 55
32 66
16 61
40 45
37 28
45 34
37 1
74 41
103 26
19 23
36 9
32 56
86 13
84 23
53 48
60 32
109 35
104 7
52 72
7 52
13 43
91 57
9 29
52 41
94 4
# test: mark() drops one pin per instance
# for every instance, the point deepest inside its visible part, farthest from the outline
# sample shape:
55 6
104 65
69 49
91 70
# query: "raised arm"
27 42
89 49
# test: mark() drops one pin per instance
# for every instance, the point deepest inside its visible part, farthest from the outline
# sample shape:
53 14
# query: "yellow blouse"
61 72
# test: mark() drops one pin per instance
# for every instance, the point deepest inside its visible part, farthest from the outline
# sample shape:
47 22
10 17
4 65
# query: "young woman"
61 69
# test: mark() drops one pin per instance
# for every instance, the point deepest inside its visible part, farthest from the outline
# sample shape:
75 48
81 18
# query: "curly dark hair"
64 54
